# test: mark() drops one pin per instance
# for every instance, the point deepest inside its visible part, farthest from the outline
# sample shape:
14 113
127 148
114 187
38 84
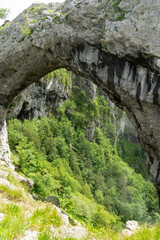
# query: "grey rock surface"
39 99
4 174
51 199
7 184
27 181
72 232
115 46
30 235
131 227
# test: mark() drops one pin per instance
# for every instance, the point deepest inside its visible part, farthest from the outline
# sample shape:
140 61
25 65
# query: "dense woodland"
103 182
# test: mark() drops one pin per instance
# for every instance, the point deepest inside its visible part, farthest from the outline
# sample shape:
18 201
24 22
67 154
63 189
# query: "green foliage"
25 29
133 154
4 12
12 194
5 26
146 233
13 223
91 180
45 217
116 3
33 9
119 10
16 222
63 76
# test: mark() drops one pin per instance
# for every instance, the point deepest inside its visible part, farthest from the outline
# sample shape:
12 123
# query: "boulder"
72 232
30 235
131 227
54 200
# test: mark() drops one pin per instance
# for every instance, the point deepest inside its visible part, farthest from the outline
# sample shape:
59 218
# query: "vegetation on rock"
4 12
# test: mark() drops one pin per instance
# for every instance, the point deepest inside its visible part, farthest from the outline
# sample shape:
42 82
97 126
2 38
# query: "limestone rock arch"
115 44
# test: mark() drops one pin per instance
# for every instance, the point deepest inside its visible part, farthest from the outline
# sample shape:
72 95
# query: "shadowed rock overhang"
115 44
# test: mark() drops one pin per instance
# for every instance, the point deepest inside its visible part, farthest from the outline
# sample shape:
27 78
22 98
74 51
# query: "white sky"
17 6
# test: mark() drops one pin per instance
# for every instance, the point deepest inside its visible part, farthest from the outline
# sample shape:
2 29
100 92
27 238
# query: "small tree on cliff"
4 12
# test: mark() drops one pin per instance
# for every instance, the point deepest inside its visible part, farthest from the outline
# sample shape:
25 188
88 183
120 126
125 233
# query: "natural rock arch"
117 46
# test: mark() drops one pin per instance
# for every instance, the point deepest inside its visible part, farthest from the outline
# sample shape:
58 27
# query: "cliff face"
39 99
45 96
115 45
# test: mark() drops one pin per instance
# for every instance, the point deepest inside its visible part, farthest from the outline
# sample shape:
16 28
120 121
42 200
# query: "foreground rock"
52 199
5 154
20 178
27 181
108 42
6 183
30 235
131 227
72 232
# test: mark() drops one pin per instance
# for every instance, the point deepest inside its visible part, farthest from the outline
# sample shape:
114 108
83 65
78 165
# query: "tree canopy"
4 12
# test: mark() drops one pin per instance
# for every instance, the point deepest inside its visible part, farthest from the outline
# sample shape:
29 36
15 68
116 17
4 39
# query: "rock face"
4 148
84 84
27 181
39 99
115 45
44 97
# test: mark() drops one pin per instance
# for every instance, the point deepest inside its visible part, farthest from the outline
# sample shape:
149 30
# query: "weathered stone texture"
39 99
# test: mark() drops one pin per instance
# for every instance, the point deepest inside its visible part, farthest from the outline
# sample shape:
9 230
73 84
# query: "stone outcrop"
131 227
39 99
5 154
114 44
52 199
4 174
87 86
72 232
24 180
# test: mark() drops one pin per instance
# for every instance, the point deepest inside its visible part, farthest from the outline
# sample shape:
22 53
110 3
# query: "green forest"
97 182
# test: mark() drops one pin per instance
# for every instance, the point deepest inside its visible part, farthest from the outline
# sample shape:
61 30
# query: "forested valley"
101 178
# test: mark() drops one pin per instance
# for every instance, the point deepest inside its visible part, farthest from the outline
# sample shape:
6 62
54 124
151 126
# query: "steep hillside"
83 171
23 218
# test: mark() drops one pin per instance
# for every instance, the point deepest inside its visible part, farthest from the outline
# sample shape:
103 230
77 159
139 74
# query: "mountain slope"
90 172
